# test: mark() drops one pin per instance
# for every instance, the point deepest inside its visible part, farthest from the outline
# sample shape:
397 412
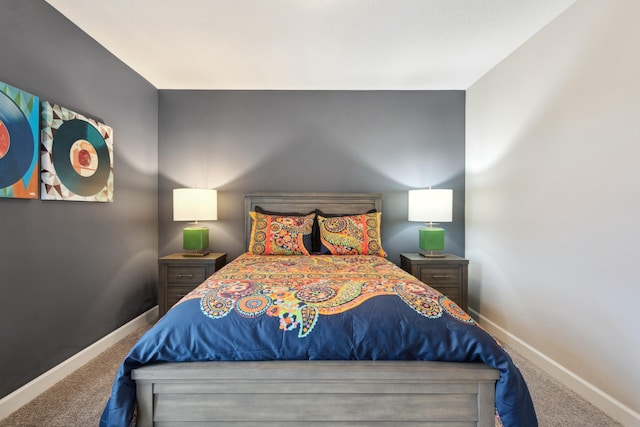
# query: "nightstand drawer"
188 275
175 294
440 275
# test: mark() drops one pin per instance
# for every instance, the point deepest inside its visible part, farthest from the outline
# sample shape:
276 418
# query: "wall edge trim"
25 394
603 401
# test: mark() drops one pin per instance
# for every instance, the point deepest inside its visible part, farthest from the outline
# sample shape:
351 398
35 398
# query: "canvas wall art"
19 126
77 156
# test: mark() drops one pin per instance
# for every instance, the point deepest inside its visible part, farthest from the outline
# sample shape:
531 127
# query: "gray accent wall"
319 141
72 272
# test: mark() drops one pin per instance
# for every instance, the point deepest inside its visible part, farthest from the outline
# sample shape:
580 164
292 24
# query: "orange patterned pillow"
351 235
281 234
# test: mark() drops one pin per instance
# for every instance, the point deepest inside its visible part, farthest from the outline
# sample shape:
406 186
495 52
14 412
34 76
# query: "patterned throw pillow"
351 235
280 234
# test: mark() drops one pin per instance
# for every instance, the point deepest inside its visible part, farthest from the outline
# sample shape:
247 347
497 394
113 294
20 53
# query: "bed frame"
315 393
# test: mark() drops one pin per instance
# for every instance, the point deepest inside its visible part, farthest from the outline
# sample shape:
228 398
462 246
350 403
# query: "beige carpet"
556 405
78 400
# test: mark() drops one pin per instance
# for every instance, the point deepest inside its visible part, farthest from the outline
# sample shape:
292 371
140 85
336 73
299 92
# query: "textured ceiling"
311 44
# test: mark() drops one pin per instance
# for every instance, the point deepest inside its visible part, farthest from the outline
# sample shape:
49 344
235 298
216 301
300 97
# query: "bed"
324 337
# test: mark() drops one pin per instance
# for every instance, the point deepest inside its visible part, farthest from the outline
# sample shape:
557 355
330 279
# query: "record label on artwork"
5 140
84 158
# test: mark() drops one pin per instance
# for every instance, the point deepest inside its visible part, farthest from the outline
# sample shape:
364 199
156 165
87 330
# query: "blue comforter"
318 308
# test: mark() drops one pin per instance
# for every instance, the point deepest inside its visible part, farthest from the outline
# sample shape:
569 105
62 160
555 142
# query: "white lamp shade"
195 204
431 205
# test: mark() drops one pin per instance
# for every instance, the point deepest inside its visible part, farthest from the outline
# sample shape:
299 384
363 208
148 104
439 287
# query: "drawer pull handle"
186 276
440 276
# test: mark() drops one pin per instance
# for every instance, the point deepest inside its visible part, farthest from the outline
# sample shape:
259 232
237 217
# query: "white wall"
553 201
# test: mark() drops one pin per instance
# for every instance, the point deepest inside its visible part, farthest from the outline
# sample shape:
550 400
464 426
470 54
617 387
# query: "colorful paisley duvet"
355 307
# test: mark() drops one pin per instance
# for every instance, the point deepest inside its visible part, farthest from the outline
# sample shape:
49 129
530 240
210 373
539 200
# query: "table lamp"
195 204
431 206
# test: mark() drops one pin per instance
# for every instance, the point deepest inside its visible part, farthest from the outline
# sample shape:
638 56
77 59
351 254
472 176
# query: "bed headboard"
329 203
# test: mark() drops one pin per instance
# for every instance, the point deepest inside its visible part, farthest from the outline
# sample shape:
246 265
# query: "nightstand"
447 274
179 275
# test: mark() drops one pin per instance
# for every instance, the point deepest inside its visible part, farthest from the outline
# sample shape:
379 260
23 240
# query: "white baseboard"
607 404
25 394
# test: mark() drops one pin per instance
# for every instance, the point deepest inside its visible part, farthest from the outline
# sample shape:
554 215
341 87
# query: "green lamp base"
197 240
431 239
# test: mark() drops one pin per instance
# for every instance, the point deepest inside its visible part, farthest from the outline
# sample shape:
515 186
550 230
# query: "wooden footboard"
316 393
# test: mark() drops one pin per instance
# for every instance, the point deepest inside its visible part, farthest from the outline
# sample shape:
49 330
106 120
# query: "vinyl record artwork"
77 157
19 125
